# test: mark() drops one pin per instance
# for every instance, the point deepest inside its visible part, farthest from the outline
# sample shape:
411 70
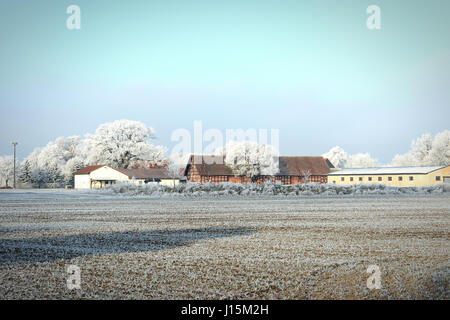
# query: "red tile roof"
209 165
293 166
88 169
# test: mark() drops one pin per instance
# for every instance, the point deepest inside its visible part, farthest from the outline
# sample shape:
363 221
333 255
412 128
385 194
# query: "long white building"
99 176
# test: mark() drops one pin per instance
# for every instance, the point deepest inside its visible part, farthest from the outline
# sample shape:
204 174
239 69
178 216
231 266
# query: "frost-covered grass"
234 189
256 248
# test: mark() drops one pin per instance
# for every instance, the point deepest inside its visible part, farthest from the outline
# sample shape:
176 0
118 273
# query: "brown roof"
289 166
146 173
209 165
293 166
88 169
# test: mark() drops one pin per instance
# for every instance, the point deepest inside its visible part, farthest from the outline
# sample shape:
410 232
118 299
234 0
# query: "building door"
446 179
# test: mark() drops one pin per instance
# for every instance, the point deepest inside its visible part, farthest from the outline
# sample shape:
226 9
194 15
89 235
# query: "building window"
389 178
360 178
411 178
370 178
342 179
438 178
351 178
400 178
380 178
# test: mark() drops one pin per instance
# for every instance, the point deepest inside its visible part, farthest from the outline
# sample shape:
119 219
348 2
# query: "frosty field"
304 247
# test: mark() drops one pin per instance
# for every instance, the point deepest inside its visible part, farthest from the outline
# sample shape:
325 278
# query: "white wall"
169 182
82 181
107 173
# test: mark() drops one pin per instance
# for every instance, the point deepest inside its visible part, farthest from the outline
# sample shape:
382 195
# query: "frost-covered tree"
39 161
123 144
426 151
56 159
55 178
25 172
40 177
417 156
361 160
33 158
440 149
340 159
337 156
406 159
7 169
421 147
247 158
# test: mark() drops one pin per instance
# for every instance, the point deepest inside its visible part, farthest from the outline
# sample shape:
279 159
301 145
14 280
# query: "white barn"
99 176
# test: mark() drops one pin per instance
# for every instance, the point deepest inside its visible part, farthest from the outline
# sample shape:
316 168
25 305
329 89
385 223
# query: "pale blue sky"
309 68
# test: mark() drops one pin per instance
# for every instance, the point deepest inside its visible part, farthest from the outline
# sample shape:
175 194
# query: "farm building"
99 176
392 176
291 170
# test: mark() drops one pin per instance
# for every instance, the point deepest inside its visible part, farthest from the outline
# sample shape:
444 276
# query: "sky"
311 69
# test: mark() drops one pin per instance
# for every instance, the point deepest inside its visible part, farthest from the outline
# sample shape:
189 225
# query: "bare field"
258 248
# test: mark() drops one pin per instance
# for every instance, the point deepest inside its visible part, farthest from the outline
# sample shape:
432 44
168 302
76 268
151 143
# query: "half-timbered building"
292 170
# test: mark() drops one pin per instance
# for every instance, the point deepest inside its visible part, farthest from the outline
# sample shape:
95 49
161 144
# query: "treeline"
122 143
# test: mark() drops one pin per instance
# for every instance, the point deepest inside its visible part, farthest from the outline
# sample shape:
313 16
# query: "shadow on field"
30 250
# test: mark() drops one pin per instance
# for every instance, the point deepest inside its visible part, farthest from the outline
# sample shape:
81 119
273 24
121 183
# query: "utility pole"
15 144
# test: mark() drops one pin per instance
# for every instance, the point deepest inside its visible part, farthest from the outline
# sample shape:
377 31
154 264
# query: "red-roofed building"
292 170
99 176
